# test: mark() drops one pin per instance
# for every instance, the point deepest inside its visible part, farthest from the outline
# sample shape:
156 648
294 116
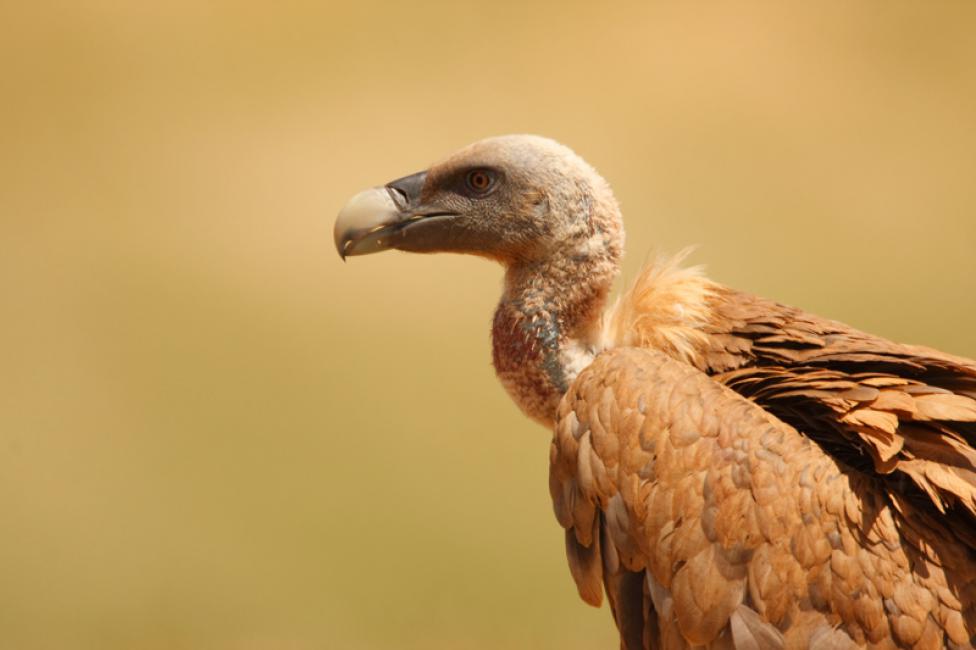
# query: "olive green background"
214 434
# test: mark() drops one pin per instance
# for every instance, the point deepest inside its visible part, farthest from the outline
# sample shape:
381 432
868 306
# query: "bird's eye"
480 181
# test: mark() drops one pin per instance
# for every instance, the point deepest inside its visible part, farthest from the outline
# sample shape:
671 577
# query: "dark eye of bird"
480 181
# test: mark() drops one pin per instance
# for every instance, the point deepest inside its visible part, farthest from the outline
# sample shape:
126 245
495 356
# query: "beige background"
213 434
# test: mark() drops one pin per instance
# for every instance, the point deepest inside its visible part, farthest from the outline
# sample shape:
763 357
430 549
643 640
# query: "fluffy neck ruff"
667 308
547 327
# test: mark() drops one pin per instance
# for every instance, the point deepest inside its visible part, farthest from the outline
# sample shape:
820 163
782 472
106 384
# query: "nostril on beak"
406 191
399 197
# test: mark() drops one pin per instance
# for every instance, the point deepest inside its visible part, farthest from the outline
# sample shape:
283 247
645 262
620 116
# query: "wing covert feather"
878 406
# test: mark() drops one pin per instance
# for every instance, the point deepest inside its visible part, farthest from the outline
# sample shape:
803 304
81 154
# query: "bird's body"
767 474
731 472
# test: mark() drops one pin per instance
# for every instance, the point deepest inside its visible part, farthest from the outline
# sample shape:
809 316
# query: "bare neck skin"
547 324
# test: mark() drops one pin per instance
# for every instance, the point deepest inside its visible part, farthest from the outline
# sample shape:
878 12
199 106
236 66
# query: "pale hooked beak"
365 221
379 218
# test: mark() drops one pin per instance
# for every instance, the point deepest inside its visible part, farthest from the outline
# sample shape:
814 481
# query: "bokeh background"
214 434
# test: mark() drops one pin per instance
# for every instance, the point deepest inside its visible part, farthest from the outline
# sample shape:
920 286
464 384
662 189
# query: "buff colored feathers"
773 479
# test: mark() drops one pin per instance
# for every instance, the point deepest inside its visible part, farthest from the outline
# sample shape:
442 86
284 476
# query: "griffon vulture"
730 471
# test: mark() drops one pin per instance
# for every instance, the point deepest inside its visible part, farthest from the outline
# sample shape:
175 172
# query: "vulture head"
540 210
518 199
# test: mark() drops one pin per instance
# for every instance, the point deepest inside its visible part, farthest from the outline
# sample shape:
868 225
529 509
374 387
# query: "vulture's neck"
547 326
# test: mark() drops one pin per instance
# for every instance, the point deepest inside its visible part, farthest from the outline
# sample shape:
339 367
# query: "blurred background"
214 434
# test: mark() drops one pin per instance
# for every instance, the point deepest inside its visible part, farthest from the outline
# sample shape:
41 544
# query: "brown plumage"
730 472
